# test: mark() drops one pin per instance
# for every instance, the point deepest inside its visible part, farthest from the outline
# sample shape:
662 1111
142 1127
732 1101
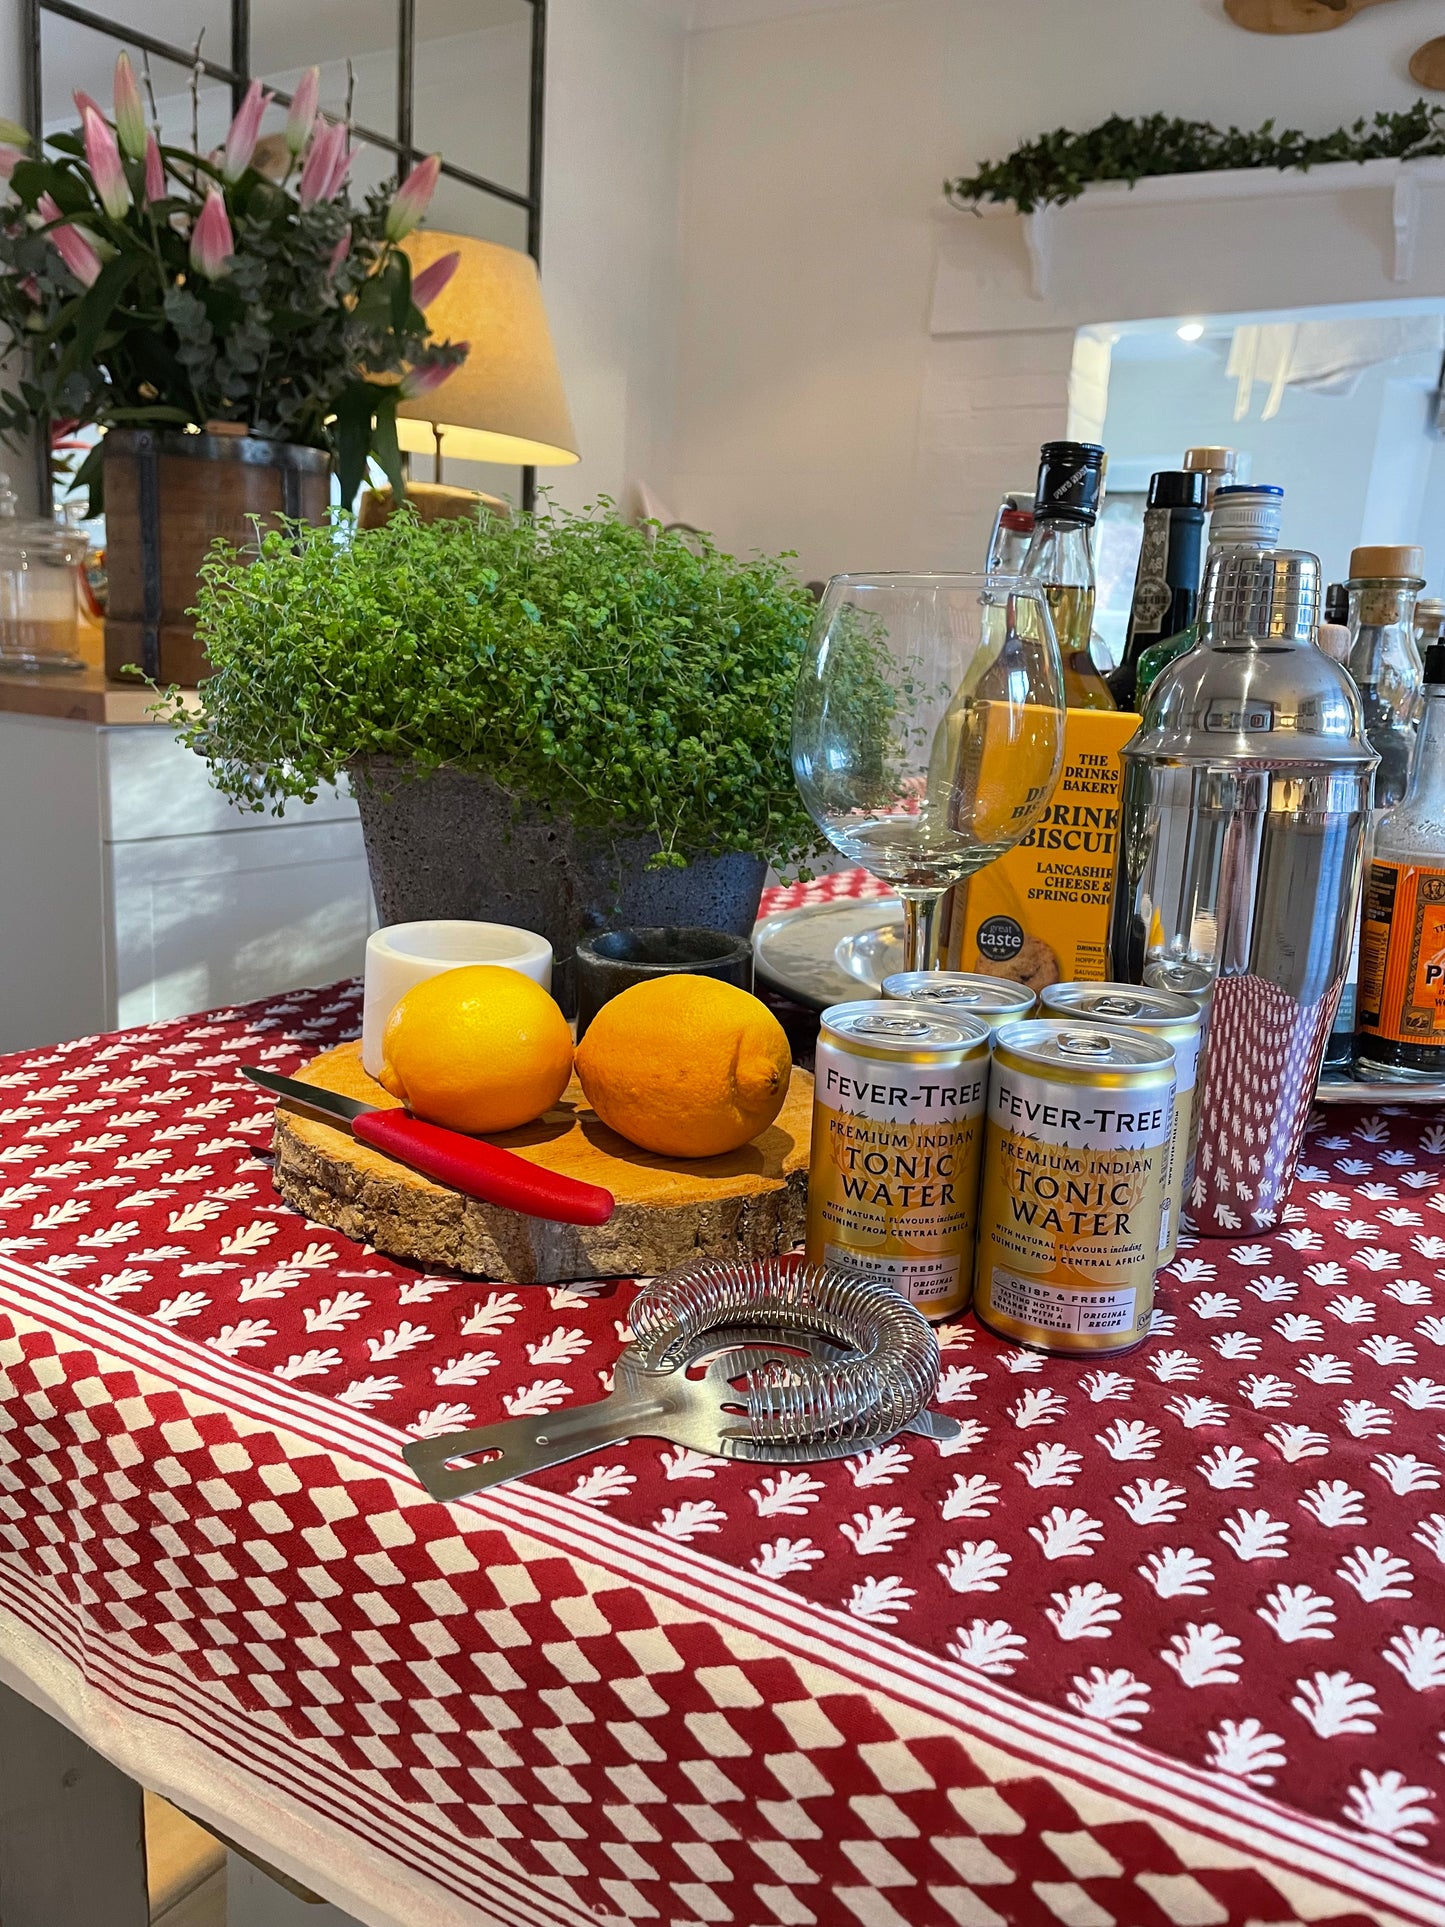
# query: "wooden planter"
168 495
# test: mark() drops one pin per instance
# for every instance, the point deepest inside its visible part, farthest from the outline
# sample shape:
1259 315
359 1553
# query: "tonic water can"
994 999
897 1144
1079 1122
1175 1018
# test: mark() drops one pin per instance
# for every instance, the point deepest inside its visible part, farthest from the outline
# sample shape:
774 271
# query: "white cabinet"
130 890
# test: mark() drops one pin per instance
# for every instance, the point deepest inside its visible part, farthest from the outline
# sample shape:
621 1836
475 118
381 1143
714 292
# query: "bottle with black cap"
1400 1005
1061 559
1166 583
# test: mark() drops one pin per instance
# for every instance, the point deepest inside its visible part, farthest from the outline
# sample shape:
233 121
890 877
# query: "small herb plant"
625 678
1057 167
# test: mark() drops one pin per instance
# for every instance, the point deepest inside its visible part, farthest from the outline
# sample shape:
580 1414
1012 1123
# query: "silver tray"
828 953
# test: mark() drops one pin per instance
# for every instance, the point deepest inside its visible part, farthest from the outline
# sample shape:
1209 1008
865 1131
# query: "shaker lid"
1254 693
1386 560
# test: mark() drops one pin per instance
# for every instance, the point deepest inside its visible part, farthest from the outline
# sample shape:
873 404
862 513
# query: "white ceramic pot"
404 954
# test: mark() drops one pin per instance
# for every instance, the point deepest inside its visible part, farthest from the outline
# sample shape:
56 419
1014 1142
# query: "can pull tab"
1118 1006
894 1026
1086 1043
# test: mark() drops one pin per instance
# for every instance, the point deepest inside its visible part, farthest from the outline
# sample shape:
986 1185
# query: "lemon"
685 1066
477 1049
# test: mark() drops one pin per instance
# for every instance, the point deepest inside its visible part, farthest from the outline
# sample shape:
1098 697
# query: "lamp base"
433 502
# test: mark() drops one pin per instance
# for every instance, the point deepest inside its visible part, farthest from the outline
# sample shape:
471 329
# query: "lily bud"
155 171
12 134
412 199
70 244
105 165
303 109
338 255
321 157
426 286
212 243
244 132
83 100
427 376
130 118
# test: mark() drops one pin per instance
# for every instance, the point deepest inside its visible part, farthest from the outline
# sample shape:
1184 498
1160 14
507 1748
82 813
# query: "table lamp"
505 403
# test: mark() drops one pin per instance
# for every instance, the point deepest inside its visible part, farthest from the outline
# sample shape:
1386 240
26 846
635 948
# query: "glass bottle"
1384 582
1166 583
1429 622
1242 518
1061 558
1012 534
1400 1030
1216 465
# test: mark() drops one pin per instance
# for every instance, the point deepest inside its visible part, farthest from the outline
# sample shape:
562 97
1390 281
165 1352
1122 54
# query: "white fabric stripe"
1228 1810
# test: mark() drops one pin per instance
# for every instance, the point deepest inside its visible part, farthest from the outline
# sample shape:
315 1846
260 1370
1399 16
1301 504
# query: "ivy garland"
1057 167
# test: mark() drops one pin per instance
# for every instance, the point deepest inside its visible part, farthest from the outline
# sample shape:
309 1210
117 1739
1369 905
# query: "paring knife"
467 1164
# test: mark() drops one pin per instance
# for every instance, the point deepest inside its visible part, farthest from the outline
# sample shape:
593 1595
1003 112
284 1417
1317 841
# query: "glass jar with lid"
38 595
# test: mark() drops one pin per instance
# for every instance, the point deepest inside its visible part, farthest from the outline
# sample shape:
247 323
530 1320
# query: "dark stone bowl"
614 960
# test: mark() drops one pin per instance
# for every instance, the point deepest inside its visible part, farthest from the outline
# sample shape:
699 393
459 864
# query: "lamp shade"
505 403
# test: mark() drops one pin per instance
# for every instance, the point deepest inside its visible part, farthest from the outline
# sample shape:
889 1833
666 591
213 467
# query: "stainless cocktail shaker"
1246 795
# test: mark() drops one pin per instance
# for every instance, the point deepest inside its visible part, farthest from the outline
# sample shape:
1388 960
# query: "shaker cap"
1211 461
1177 488
1387 561
1070 481
1435 663
1273 597
1247 515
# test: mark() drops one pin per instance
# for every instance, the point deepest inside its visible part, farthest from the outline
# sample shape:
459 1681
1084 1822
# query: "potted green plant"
553 721
234 332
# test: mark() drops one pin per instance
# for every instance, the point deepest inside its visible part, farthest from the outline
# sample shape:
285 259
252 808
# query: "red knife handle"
483 1170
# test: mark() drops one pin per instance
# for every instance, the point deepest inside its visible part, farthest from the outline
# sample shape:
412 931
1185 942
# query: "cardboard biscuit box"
1040 914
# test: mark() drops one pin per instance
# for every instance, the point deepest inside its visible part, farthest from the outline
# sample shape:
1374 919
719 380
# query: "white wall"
814 151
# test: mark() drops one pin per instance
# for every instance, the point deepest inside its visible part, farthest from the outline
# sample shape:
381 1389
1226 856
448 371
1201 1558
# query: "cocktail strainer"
767 1362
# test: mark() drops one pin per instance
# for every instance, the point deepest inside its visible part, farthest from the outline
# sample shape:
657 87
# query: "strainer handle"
532 1444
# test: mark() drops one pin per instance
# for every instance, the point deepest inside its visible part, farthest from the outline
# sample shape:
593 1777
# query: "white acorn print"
1246 1751
878 1529
978 1565
1250 1254
1363 1419
603 1483
247 1334
880 1466
1037 1406
439 1419
1430 1533
1375 1573
468 1369
1194 1412
1106 1385
490 1315
1151 1502
1236 1344
1420 1394
332 1313
1215 1304
972 1497
687 1520
540 1396
1323 1368
1067 1535
312 1364
1083 1612
1336 1703
374 1389
1388 1349
681 1462
1049 1464
956 1383
1204 1656
1116 1699
1327 1275
185 1304
1298 1612
1403 1472
881 1601
786 1495
1295 1442
1130 1439
1255 1535
779 1557
1418 1654
988 1646
1169 1367
405 1338
1383 1803
1177 1571
559 1347
1333 1503
1227 1468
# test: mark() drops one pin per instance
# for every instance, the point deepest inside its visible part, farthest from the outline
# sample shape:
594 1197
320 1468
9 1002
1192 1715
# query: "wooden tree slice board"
1427 65
1294 16
670 1211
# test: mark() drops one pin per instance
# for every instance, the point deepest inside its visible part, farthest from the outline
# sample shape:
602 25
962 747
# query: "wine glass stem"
920 927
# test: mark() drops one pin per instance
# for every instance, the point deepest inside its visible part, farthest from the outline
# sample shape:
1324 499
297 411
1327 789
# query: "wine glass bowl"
928 728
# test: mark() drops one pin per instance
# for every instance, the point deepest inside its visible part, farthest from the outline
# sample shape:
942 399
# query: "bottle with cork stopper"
1218 466
1385 579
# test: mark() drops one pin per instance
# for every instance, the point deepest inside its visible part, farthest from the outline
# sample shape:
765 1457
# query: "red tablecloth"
1161 1640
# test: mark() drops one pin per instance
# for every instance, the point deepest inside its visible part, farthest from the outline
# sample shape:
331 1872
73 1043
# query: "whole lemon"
685 1066
477 1049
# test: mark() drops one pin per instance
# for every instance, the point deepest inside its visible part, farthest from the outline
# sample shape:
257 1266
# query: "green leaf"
91 475
384 442
353 439
31 179
94 311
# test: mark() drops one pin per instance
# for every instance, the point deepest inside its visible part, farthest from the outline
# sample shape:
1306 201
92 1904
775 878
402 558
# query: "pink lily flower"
427 285
412 199
155 171
70 244
83 101
303 109
338 255
105 164
130 117
244 132
327 142
427 376
212 243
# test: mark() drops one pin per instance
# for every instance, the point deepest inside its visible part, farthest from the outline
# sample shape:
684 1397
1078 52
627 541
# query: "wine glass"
928 729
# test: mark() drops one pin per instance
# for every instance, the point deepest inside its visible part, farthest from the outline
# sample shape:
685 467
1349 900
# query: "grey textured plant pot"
451 845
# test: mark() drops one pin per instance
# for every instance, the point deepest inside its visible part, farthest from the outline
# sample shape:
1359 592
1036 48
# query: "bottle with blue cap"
1242 519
